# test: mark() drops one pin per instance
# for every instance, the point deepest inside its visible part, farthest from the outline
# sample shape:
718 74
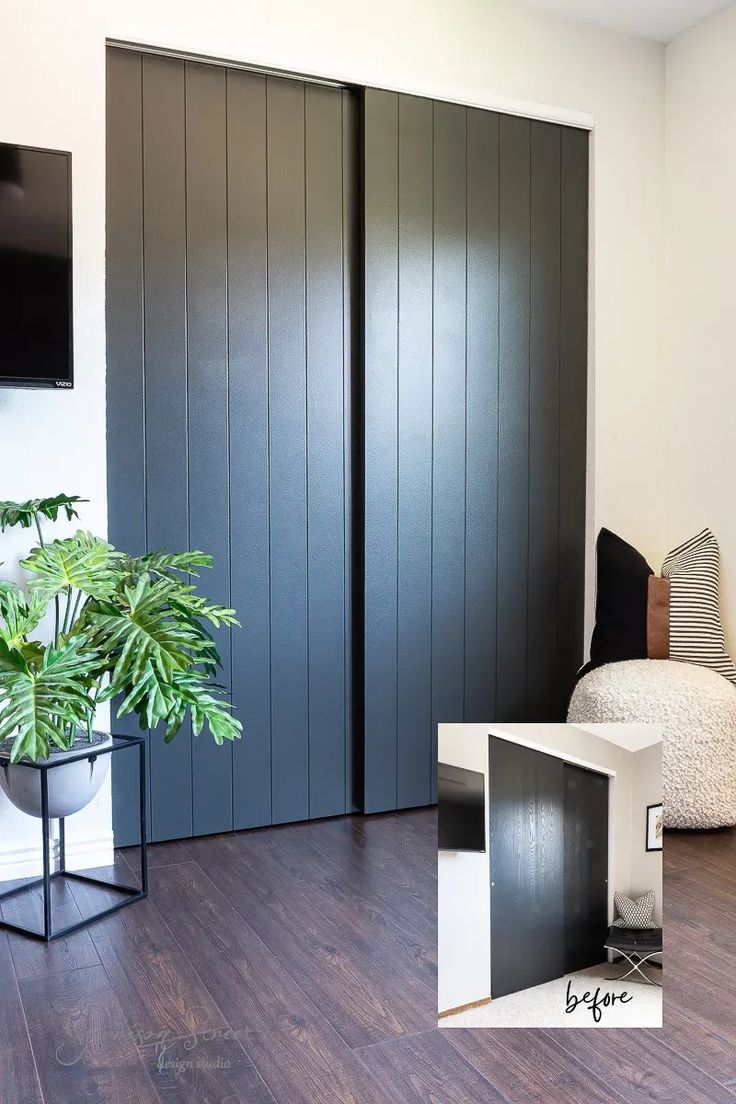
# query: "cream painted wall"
52 81
488 52
699 400
464 902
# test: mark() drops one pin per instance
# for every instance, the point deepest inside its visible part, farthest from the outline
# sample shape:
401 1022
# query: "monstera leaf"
156 701
190 604
204 706
140 628
26 514
83 562
168 563
164 658
11 660
19 615
150 696
182 597
42 707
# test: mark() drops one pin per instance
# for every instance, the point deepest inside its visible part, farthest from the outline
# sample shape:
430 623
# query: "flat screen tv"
462 809
35 268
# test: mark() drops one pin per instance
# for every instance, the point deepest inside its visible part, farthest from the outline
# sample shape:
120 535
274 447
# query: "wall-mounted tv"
35 268
462 809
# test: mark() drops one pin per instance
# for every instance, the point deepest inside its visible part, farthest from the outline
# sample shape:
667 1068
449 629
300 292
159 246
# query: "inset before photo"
550 875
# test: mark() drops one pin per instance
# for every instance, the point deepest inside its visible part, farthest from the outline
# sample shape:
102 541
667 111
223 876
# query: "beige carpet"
544 1005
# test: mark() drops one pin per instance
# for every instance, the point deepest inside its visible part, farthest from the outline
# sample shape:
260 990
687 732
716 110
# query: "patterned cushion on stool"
634 914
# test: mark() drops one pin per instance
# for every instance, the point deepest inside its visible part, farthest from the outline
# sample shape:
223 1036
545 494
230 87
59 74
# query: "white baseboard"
27 862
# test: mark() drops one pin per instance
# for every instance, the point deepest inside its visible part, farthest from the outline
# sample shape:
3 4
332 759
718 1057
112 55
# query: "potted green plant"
128 627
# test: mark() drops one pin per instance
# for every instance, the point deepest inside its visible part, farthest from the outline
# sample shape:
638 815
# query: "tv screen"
462 809
35 268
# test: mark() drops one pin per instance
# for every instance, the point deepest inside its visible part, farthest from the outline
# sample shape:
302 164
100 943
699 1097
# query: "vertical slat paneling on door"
288 448
449 413
232 237
506 438
253 399
352 453
414 455
248 437
208 398
325 444
380 448
125 374
167 454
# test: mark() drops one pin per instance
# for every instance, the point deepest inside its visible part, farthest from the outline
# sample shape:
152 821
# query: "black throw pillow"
621 602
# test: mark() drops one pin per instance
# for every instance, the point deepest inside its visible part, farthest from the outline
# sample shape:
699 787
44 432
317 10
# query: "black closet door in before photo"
527 864
476 240
586 866
548 866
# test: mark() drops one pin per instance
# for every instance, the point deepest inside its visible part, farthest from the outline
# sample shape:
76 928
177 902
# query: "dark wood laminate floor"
297 964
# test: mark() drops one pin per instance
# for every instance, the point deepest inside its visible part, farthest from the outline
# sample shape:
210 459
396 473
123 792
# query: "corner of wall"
699 400
645 867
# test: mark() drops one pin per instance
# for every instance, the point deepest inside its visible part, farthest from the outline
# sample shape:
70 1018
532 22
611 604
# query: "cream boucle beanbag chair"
698 710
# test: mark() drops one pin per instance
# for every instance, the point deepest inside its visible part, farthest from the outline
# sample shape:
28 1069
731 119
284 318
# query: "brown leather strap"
658 618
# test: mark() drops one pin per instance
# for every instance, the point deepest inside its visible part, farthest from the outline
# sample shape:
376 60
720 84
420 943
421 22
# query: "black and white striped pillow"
634 914
696 634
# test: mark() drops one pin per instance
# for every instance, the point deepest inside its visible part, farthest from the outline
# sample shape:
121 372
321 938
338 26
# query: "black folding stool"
637 945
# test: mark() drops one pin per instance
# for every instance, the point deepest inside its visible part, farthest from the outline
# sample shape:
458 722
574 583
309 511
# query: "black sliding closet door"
231 208
548 866
475 424
394 490
586 867
527 866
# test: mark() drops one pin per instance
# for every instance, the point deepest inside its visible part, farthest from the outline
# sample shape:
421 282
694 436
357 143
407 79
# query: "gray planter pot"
71 787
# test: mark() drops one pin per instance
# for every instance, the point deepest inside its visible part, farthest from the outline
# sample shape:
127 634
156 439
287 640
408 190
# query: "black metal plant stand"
131 894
